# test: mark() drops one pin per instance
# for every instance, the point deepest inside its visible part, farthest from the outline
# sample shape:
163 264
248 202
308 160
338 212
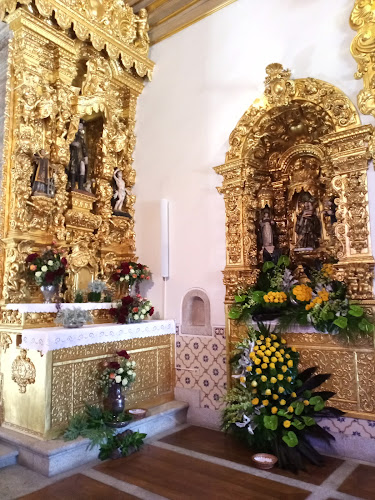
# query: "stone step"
55 456
8 455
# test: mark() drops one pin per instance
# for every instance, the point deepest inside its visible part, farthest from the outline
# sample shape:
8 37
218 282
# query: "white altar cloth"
49 339
51 308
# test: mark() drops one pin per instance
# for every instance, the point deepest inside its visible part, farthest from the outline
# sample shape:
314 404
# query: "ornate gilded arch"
304 136
314 121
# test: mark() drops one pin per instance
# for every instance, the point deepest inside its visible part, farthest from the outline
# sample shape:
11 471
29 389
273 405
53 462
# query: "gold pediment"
110 25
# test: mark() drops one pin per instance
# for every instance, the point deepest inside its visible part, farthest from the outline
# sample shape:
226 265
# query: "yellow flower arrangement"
255 401
303 293
290 409
328 270
274 410
323 296
249 368
275 297
258 371
265 402
287 423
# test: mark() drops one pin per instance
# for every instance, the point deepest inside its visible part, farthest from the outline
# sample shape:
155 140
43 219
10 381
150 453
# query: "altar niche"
69 140
295 182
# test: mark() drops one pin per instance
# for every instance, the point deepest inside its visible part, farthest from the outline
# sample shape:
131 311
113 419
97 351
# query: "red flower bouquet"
132 310
48 268
130 273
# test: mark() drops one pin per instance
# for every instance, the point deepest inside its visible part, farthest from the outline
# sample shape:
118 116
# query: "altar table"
48 374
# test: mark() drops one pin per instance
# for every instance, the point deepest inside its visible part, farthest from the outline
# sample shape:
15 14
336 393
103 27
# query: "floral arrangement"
273 407
131 272
132 309
115 372
96 288
48 268
73 317
320 301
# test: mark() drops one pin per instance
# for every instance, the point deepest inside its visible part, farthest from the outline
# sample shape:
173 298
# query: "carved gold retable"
69 60
304 135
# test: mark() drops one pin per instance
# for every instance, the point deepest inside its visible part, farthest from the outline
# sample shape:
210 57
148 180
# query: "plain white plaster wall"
205 78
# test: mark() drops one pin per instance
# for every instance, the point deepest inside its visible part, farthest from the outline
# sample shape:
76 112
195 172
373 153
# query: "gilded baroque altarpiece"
72 65
299 149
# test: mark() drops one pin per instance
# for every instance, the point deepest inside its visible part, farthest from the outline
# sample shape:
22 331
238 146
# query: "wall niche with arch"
196 313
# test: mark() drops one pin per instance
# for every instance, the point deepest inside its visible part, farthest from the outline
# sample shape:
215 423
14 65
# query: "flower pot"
94 296
49 292
74 325
266 316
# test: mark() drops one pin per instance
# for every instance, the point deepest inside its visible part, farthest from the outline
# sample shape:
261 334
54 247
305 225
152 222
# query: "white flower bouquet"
114 372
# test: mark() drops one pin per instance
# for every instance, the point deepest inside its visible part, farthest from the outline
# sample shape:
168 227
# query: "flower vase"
49 292
116 399
94 296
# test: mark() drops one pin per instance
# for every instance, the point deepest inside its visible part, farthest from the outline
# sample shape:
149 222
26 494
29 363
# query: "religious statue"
78 159
308 227
330 211
142 28
267 229
42 181
121 192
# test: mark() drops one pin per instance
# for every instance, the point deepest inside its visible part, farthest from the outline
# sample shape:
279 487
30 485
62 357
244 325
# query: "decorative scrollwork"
23 371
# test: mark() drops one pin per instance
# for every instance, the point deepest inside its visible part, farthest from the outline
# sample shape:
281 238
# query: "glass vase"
49 292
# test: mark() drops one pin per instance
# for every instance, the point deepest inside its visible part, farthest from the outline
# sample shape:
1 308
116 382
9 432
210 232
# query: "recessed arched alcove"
196 313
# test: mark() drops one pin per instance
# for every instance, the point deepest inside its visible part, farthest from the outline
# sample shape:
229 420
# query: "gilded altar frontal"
295 182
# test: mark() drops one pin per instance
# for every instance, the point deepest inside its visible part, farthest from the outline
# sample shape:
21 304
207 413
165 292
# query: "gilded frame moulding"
362 20
110 26
341 145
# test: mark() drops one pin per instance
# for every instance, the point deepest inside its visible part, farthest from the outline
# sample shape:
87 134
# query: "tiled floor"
195 463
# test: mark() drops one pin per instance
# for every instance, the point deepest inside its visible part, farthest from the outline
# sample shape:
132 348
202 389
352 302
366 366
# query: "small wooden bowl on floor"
137 413
263 461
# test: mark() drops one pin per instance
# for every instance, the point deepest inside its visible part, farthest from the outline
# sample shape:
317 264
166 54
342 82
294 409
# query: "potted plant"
47 270
73 317
96 288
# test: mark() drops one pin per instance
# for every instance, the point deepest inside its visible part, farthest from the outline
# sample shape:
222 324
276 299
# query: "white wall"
205 78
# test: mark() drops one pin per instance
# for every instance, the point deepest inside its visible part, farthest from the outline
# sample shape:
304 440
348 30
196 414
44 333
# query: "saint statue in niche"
42 183
120 193
78 159
308 227
267 230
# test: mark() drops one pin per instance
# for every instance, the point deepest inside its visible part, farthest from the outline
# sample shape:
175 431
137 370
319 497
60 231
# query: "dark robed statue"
78 159
41 184
308 227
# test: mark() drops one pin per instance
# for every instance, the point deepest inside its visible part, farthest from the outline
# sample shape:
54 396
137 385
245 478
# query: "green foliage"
341 322
267 266
317 402
271 422
283 261
355 310
124 443
92 424
328 310
290 439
